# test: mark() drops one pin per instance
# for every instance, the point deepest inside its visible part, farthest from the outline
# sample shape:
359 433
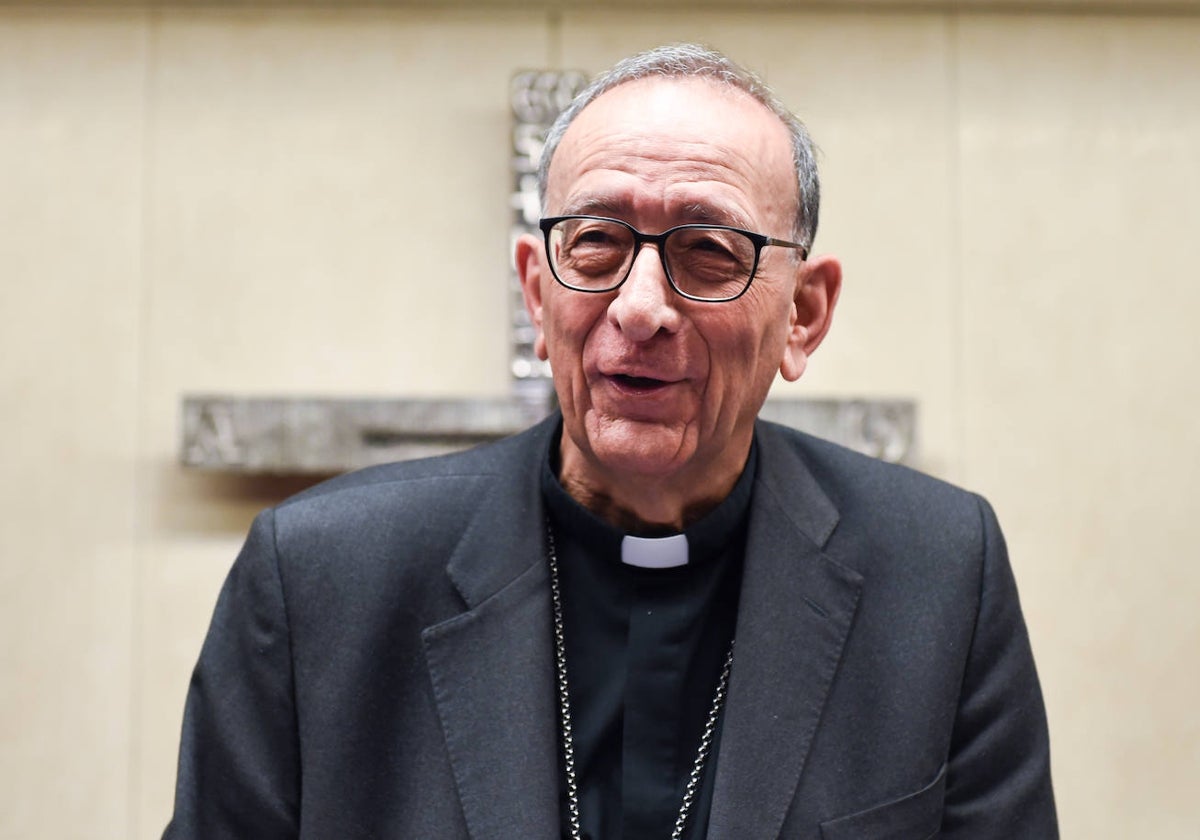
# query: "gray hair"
680 61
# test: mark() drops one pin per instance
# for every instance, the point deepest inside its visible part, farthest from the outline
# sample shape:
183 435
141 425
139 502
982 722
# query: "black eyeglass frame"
759 241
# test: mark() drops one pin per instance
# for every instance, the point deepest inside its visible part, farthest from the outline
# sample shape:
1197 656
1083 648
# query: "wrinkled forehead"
660 138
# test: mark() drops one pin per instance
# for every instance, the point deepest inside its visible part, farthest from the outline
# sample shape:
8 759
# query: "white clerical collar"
655 552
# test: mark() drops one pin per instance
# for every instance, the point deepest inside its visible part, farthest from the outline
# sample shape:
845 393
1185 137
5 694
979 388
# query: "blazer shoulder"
852 478
426 496
880 510
397 528
504 457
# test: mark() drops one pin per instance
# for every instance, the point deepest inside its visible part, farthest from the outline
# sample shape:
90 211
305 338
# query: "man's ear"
817 288
531 266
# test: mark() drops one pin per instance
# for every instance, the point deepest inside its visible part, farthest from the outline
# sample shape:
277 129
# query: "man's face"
654 386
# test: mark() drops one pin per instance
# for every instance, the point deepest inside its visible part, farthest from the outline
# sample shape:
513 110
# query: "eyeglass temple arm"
783 243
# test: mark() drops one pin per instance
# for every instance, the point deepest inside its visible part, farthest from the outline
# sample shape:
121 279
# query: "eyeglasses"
702 262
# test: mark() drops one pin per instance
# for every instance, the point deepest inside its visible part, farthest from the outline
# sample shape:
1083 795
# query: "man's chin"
639 448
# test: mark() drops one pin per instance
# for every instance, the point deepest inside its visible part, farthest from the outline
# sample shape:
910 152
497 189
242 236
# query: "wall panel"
327 215
1079 195
71 93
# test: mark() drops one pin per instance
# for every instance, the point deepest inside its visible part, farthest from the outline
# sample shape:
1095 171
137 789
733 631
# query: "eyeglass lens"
596 255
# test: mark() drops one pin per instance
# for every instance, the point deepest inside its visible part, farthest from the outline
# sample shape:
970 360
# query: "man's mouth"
638 383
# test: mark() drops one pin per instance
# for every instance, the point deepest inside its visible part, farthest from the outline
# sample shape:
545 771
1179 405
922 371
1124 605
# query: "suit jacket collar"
794 616
492 667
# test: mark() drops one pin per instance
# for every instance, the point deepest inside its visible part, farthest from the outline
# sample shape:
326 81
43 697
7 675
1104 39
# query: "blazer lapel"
492 666
794 616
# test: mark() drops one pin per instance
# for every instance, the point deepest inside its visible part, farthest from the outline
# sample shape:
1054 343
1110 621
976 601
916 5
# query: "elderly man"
652 615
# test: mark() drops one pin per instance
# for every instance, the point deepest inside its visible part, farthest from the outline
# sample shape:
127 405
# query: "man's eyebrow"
706 214
694 213
597 204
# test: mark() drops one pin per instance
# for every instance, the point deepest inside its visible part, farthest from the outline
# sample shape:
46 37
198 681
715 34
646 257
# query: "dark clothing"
645 650
381 665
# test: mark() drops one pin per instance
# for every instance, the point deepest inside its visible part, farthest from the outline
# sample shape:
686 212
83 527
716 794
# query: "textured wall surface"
306 199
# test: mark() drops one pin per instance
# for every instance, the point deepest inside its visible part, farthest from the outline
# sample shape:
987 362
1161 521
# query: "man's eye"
593 237
712 246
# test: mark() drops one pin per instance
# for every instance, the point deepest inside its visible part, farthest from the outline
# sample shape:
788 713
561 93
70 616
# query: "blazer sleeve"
239 771
998 780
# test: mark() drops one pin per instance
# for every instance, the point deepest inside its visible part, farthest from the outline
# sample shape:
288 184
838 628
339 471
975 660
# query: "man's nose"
645 303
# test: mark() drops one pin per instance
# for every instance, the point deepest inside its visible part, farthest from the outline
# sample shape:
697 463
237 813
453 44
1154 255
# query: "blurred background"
307 198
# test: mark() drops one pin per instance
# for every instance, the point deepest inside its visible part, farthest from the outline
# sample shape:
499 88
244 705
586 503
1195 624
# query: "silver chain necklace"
564 710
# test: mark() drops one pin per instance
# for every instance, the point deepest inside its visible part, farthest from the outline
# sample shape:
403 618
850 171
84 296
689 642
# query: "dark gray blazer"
380 663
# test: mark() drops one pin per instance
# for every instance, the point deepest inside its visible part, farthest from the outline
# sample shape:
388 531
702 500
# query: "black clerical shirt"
645 649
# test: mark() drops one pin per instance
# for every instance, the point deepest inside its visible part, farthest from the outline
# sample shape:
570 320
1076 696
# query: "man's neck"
641 505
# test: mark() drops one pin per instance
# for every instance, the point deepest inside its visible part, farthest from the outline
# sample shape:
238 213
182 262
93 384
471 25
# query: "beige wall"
314 201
